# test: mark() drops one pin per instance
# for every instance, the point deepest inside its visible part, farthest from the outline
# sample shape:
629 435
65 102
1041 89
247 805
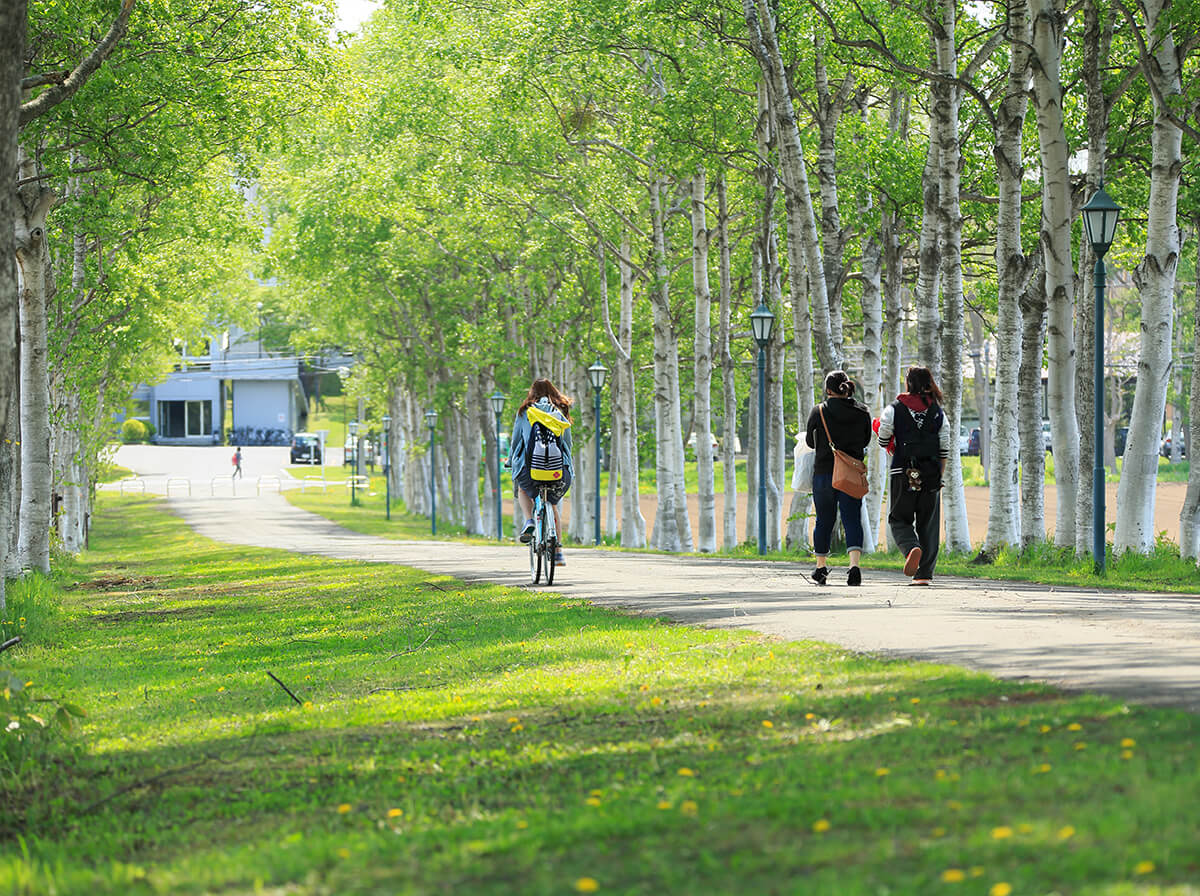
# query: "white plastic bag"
802 469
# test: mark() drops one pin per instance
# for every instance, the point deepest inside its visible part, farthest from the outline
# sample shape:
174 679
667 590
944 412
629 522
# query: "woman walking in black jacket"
848 424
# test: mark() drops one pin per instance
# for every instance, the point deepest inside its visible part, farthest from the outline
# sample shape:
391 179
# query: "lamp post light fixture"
1100 217
387 465
431 422
498 399
353 427
762 322
597 373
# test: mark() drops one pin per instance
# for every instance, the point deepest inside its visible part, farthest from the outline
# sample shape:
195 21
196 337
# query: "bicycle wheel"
535 561
548 558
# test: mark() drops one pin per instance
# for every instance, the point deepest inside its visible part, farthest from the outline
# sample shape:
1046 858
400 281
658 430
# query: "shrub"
133 431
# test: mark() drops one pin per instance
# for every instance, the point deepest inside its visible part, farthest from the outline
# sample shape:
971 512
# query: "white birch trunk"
728 383
800 512
1155 279
830 107
929 264
1189 516
702 413
945 113
33 546
1048 22
872 376
802 225
1032 453
666 397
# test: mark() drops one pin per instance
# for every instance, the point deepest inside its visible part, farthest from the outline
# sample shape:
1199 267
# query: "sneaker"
558 559
912 561
527 532
820 574
922 582
854 577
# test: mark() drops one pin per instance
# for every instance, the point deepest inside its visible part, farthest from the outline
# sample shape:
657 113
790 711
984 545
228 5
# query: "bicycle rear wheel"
548 559
535 561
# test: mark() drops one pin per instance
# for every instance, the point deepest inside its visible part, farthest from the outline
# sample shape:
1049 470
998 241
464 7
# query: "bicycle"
544 543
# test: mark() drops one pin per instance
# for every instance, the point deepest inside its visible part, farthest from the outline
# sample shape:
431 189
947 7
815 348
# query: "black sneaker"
854 577
820 574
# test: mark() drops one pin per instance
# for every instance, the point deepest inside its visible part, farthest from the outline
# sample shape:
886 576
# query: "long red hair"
546 389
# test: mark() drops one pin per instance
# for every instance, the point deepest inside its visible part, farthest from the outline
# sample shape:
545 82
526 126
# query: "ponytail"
838 383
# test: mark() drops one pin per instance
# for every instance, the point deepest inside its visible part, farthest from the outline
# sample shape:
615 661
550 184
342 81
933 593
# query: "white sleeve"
887 426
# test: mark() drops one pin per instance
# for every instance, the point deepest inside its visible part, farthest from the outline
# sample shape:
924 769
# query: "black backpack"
919 447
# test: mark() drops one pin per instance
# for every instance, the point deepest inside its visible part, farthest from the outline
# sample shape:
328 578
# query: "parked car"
1165 448
974 442
691 445
964 440
306 448
1046 437
1119 439
349 449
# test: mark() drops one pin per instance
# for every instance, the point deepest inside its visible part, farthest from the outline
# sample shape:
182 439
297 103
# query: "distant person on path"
849 426
535 458
913 429
237 464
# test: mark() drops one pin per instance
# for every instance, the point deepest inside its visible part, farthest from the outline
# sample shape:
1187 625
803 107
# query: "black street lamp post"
762 321
431 422
498 401
387 465
353 427
1100 217
597 373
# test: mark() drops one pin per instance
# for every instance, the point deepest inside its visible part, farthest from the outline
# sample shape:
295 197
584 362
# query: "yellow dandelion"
1143 867
344 853
976 871
644 687
656 701
767 723
1042 769
587 885
395 813
664 804
1024 828
940 774
1001 833
1127 754
1080 745
1066 832
954 805
1074 726
1000 889
1044 729
939 832
1024 723
343 808
308 704
522 824
915 700
820 826
882 772
21 620
512 720
686 773
592 801
596 793
628 643
953 875
809 716
518 727
221 688
689 807
1128 742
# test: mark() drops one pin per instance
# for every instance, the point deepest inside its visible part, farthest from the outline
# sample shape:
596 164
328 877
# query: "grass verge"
455 738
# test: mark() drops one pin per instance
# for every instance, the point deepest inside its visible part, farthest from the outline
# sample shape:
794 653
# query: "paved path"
1140 647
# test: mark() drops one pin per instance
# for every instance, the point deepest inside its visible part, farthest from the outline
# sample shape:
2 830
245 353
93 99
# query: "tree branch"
63 91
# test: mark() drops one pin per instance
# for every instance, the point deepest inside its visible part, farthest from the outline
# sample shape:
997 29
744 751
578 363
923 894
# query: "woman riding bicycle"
551 410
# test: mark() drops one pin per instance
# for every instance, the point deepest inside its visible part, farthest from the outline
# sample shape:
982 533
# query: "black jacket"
849 424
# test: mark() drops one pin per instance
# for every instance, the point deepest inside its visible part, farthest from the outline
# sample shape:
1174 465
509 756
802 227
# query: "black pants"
915 519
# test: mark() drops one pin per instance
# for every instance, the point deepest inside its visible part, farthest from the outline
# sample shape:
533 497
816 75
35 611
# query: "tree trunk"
945 114
802 225
1057 214
1189 516
830 108
666 392
33 258
872 376
929 257
1155 279
12 69
702 411
800 511
728 382
624 408
1032 452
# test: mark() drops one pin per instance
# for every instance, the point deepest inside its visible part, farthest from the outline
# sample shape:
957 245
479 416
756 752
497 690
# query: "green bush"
133 431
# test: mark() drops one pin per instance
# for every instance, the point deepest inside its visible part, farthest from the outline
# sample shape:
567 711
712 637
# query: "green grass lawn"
454 738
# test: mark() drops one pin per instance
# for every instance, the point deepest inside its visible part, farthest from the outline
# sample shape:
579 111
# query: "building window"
182 419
